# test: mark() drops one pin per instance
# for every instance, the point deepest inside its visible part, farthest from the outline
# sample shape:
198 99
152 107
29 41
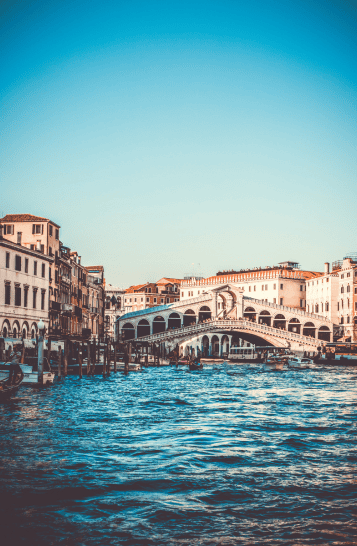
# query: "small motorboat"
276 363
195 366
10 385
300 363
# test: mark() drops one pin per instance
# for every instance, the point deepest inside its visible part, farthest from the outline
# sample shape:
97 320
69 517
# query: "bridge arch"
204 313
265 318
279 321
250 313
215 345
225 344
158 325
128 330
174 321
309 329
324 333
205 345
189 317
143 328
294 325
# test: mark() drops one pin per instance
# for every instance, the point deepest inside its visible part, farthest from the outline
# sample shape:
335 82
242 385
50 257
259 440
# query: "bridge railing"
231 324
286 308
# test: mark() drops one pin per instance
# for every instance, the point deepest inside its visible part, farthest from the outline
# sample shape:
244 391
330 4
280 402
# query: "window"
35 268
301 303
8 230
316 308
154 300
322 307
142 299
26 265
43 271
19 236
57 234
37 228
342 289
8 259
255 288
281 287
348 274
274 300
341 304
281 301
266 287
262 286
26 295
341 320
162 300
338 306
17 295
50 251
7 293
50 274
355 290
147 300
250 288
43 293
342 276
182 294
348 288
327 280
326 306
50 230
301 287
274 286
18 263
348 319
348 303
355 305
34 297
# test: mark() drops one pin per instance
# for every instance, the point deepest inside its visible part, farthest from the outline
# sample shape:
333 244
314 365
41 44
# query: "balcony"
78 312
55 306
67 309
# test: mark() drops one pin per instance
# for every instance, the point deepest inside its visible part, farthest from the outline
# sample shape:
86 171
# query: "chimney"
327 268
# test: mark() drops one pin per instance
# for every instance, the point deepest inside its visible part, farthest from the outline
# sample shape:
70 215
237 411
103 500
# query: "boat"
300 363
194 366
30 373
131 367
276 363
212 360
11 383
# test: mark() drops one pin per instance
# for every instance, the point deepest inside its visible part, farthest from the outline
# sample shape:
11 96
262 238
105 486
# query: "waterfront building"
42 235
113 308
284 284
95 300
144 296
25 284
346 271
322 294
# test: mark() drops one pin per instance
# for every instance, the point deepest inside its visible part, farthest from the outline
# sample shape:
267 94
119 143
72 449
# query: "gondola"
10 385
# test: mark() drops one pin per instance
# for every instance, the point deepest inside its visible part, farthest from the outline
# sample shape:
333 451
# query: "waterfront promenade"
230 455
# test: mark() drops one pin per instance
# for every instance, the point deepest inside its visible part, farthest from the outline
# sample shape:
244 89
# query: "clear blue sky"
161 134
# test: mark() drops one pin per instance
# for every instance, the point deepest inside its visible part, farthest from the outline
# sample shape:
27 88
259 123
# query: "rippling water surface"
229 455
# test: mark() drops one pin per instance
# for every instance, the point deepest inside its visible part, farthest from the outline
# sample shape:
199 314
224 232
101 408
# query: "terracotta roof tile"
25 218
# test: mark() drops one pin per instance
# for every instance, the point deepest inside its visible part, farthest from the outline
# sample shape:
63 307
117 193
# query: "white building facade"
322 295
24 289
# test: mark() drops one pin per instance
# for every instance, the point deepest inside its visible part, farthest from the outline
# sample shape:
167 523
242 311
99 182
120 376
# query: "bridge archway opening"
143 328
324 333
158 325
309 329
189 318
265 318
205 346
279 322
250 314
215 346
6 328
294 325
128 330
204 313
16 329
225 345
25 329
174 321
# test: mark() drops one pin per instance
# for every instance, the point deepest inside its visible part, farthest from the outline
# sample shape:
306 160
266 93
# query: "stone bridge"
198 318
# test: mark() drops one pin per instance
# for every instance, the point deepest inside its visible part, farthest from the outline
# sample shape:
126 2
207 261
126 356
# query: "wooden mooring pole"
115 357
89 347
65 358
59 366
80 359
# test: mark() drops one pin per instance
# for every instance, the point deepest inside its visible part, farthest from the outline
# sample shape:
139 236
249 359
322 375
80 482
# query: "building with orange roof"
142 296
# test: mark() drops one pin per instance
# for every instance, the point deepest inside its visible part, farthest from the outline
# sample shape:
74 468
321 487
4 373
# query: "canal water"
230 455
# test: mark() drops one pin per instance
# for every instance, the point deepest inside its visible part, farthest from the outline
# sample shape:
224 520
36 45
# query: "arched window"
326 306
316 308
342 289
348 288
